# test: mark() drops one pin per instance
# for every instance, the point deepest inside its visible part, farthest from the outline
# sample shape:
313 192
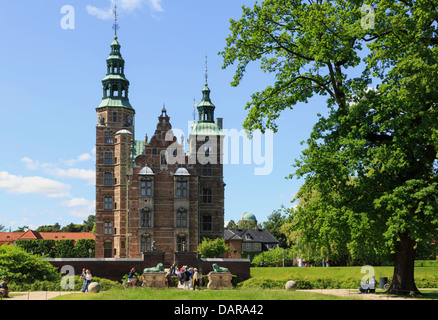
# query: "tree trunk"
403 282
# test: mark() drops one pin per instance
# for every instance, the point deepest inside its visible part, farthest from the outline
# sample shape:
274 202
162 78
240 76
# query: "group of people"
86 278
187 276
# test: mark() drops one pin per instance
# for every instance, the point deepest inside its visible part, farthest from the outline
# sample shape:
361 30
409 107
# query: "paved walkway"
36 295
355 293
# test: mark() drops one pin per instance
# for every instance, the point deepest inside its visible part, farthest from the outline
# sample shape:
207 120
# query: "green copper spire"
115 85
206 107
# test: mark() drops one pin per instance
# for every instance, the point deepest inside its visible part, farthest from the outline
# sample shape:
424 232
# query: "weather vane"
116 25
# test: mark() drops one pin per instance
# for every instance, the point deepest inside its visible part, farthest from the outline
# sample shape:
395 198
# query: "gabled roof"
230 235
255 235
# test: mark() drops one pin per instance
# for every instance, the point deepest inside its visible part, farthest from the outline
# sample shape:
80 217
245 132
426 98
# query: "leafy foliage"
370 166
21 267
212 248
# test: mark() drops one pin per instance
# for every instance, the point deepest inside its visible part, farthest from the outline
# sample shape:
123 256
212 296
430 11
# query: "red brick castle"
151 195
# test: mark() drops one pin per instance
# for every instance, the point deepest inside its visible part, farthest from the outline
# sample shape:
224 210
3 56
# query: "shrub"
21 267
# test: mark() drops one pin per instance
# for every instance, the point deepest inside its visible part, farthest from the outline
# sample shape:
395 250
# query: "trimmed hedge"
64 248
325 283
37 285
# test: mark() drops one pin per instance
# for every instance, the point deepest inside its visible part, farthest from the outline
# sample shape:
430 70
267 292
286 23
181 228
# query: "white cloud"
81 158
75 173
156 5
82 207
33 185
103 14
128 6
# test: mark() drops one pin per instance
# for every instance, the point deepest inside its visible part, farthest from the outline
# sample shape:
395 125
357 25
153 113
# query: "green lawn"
314 275
423 275
204 294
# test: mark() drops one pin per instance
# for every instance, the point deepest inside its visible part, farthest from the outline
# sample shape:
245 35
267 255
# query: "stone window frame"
207 170
206 198
108 202
146 180
203 222
145 246
148 219
186 188
179 239
181 218
108 178
108 137
108 157
107 227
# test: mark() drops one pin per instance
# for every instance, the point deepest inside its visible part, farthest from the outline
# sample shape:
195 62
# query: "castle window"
108 203
107 250
114 116
206 195
181 243
206 170
181 218
108 137
206 223
145 219
108 157
108 179
108 228
146 188
181 188
145 244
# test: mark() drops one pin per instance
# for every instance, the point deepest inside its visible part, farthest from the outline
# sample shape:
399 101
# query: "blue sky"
50 80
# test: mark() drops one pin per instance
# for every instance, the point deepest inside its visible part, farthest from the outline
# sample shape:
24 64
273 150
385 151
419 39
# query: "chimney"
219 122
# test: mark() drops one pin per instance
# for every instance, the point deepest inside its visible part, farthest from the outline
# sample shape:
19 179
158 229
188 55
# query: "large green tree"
373 158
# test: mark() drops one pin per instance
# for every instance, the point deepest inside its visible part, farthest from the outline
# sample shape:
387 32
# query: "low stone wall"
115 268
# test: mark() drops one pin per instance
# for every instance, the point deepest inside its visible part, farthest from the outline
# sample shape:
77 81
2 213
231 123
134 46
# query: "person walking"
196 279
186 278
88 278
84 284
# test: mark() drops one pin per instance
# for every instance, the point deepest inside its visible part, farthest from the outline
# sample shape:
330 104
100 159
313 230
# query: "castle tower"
114 143
206 156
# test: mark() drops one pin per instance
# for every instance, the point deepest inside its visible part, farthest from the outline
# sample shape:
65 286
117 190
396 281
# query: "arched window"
108 202
181 218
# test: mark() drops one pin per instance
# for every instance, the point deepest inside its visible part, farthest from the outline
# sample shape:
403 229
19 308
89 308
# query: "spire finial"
194 108
116 25
206 70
